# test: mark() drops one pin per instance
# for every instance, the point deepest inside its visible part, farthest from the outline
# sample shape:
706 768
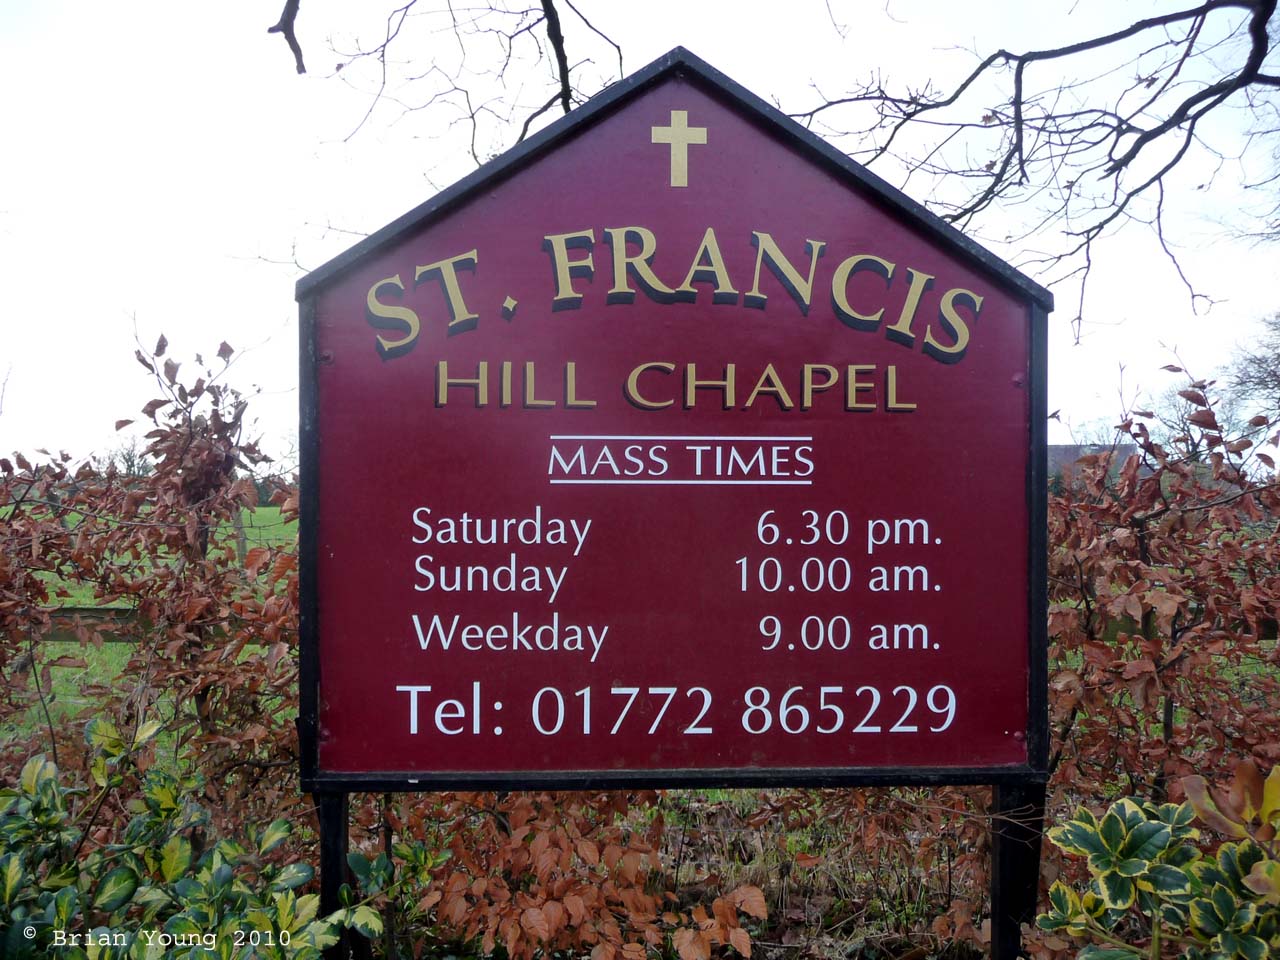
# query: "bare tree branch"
1090 154
285 26
603 36
557 46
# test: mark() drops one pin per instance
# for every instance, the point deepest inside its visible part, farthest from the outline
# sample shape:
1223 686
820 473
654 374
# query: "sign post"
673 448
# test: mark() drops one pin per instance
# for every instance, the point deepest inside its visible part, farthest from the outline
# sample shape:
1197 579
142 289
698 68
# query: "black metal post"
1017 822
332 809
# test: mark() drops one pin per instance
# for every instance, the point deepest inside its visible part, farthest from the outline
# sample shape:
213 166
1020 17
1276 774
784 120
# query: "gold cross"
679 135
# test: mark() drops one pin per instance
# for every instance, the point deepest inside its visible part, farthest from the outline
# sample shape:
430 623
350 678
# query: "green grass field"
76 665
262 527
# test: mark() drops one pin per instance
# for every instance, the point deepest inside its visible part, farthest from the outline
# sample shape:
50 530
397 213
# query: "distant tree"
130 460
1254 372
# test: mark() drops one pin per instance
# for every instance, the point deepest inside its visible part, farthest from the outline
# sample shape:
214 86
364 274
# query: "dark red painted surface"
659 566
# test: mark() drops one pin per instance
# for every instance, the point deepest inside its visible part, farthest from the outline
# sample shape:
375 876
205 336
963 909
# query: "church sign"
671 448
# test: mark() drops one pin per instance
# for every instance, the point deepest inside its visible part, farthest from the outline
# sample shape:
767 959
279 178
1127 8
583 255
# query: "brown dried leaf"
1207 809
254 559
740 940
535 923
1204 419
68 661
750 900
692 945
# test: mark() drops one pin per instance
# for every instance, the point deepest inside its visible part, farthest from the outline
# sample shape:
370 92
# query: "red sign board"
672 448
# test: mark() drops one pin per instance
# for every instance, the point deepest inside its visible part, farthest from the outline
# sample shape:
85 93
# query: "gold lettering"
809 386
853 386
531 401
504 389
901 331
770 383
571 388
480 382
637 265
558 246
955 325
840 294
801 289
632 391
386 316
892 404
713 272
693 384
460 318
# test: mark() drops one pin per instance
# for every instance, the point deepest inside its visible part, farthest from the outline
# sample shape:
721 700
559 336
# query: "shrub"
1152 890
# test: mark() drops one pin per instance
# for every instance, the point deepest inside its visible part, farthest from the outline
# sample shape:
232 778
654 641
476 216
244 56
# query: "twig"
285 26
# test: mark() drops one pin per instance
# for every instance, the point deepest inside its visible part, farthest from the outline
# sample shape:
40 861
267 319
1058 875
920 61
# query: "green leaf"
151 897
146 732
102 734
1078 837
182 925
115 889
322 934
276 833
175 857
35 772
1246 913
307 908
1147 841
1247 855
1130 814
1204 918
1251 947
1132 868
1118 892
1108 953
1052 922
1207 873
1168 881
11 877
1112 831
1224 903
366 921
1063 899
65 906
60 876
359 865
294 875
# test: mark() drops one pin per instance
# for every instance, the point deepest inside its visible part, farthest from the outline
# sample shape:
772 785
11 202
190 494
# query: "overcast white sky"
163 165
